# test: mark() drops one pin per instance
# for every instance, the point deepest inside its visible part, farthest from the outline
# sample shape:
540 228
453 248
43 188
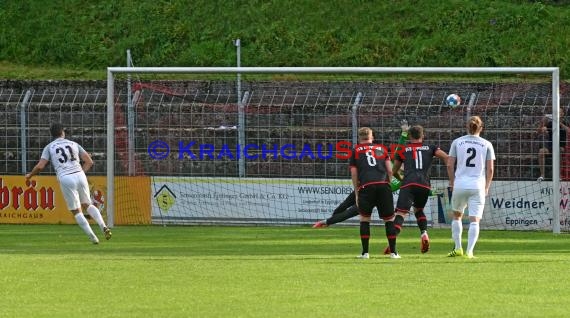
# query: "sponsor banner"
39 201
515 205
251 200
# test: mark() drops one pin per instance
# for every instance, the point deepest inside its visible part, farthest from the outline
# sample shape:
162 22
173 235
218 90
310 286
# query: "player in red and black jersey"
371 172
347 209
417 159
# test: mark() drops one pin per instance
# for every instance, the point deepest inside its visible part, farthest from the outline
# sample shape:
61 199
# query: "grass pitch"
53 271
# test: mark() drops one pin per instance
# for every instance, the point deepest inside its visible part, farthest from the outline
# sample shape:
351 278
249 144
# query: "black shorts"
412 195
379 196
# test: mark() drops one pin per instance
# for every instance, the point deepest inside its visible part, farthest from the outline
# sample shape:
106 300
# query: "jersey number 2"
473 153
63 155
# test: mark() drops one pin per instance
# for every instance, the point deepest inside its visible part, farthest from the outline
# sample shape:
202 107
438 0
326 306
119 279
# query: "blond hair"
364 133
474 125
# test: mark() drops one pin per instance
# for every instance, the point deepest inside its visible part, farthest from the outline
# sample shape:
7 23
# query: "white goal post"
553 72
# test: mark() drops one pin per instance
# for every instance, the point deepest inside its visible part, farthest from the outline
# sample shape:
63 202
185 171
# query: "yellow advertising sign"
39 201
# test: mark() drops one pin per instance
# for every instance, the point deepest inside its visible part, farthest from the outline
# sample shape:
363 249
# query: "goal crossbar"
335 70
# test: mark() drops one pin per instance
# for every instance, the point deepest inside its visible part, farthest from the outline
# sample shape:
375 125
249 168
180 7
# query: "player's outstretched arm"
403 135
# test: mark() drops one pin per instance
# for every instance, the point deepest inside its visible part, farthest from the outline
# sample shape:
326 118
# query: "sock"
82 221
422 220
365 236
391 235
342 216
472 236
398 221
456 232
96 215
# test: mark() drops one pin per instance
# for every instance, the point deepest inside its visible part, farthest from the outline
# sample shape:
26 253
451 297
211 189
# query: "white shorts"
473 199
75 190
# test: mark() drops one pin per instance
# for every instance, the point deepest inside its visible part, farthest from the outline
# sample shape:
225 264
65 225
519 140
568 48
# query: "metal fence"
275 112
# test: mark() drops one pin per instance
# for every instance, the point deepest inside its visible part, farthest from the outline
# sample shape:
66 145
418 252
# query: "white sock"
82 221
456 232
473 235
96 215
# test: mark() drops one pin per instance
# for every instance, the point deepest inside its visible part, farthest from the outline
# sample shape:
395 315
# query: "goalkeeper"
348 209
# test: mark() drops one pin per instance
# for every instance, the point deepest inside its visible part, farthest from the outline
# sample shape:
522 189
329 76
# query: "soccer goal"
268 145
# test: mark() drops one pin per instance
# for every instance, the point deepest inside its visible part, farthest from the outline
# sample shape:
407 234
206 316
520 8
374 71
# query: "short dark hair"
56 130
416 132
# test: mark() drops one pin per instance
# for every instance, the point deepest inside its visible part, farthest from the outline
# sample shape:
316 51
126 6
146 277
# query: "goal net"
269 145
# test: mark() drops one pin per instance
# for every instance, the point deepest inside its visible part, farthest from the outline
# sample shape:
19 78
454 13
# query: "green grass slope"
79 39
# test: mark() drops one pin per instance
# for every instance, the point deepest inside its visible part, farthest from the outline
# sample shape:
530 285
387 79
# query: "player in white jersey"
65 156
469 181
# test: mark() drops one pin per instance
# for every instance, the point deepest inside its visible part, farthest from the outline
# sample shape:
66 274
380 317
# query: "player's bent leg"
84 225
346 204
399 219
351 212
422 225
72 200
346 210
96 215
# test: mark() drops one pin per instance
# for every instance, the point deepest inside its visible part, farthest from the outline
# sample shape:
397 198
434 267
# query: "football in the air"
453 100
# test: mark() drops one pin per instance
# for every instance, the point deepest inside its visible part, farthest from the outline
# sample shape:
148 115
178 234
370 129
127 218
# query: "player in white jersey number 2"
65 156
470 183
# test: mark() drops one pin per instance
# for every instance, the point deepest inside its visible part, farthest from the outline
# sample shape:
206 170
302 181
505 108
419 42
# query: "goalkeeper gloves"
405 127
395 184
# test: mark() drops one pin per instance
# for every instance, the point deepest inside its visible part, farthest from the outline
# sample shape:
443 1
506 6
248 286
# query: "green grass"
86 37
53 271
